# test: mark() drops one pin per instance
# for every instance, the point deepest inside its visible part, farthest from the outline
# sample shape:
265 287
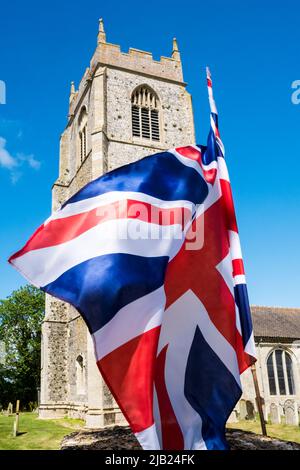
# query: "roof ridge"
275 307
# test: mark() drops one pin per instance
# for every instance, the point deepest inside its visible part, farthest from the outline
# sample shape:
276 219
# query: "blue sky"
252 48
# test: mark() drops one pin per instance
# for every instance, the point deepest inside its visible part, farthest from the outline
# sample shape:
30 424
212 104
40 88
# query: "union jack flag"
149 254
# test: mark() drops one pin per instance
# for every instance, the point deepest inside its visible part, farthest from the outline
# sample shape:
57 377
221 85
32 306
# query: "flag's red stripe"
228 205
194 154
190 152
240 353
238 267
59 231
202 276
172 438
25 248
129 372
210 175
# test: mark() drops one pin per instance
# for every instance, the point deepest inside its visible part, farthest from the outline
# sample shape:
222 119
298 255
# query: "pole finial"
101 32
175 52
72 92
212 104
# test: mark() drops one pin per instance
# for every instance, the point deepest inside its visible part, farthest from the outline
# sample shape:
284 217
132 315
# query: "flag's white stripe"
178 332
188 162
114 196
221 146
239 279
213 125
235 246
238 320
211 166
250 346
148 438
44 265
214 194
196 314
212 103
157 419
225 269
222 169
194 164
131 321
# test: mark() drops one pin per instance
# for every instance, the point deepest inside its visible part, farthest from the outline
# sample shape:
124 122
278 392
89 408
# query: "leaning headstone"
243 409
274 414
250 410
10 409
233 418
291 414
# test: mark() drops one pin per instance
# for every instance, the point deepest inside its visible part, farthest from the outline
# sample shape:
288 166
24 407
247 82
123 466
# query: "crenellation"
140 54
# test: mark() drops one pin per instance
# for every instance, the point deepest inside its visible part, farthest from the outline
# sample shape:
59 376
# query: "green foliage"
21 316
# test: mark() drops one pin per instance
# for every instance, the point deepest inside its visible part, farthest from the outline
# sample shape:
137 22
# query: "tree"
21 316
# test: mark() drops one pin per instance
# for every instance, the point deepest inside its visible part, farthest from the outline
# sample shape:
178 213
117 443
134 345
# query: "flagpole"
214 124
259 401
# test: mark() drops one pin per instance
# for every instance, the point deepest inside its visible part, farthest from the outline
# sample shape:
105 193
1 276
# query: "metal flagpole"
259 401
214 124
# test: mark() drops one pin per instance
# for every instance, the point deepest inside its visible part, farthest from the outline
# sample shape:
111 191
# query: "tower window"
80 375
145 114
82 138
280 373
82 129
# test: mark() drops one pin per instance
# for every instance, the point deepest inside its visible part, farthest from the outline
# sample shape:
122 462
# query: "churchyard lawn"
34 433
278 431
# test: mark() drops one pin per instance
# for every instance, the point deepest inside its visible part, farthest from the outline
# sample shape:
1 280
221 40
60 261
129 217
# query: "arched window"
80 375
280 373
145 114
82 128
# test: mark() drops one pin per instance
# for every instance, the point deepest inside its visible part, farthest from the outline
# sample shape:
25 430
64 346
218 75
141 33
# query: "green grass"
38 434
42 434
278 431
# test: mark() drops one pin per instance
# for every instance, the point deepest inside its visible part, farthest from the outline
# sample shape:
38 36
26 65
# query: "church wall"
83 176
54 383
264 349
77 346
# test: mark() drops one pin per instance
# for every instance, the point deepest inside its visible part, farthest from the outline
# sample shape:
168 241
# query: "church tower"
127 106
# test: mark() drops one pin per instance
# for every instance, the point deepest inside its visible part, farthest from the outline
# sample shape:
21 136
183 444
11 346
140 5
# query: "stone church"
127 106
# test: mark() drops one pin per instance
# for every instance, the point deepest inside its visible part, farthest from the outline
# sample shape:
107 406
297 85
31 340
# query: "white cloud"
6 159
30 160
14 163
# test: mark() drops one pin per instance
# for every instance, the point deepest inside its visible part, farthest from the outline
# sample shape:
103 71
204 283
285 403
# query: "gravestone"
233 418
10 409
274 414
291 414
243 409
250 410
